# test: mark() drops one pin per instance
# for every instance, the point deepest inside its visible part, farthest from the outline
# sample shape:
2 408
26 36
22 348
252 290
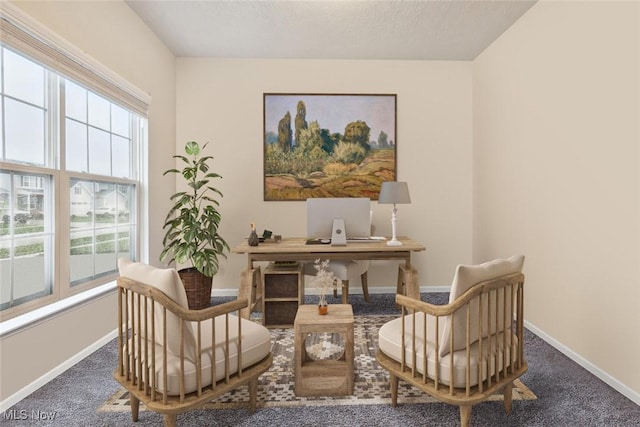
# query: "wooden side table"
323 377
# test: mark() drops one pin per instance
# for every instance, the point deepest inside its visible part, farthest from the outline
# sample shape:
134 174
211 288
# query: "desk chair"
345 270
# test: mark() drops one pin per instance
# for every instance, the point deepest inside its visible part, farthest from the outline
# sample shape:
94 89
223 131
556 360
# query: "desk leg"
408 281
251 289
400 284
345 292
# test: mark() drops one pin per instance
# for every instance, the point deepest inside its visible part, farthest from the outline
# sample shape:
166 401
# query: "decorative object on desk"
346 150
253 236
192 227
324 281
393 192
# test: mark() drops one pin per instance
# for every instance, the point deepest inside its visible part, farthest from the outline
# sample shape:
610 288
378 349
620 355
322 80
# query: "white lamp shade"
394 192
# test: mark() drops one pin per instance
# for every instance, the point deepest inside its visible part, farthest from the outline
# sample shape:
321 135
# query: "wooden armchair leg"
393 383
170 420
135 407
508 393
465 416
365 285
253 392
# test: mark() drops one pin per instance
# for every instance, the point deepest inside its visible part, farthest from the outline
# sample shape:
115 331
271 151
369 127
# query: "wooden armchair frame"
507 291
137 355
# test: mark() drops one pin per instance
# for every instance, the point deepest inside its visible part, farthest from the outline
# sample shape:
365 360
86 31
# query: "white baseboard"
30 388
604 376
427 289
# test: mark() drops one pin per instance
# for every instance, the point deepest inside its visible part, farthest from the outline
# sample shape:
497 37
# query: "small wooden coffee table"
323 377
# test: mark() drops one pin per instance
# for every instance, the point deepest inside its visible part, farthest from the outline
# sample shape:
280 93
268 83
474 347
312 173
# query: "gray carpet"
567 396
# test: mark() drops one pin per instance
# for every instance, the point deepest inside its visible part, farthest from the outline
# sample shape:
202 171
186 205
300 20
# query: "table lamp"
393 192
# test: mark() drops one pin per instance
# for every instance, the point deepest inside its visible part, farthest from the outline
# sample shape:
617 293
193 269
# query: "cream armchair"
465 351
174 359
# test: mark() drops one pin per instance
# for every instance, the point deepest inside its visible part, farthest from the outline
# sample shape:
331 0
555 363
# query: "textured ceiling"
409 30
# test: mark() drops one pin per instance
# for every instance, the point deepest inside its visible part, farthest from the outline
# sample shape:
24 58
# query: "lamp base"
394 242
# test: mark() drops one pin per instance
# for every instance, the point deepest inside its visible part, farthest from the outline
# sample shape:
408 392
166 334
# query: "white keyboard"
370 239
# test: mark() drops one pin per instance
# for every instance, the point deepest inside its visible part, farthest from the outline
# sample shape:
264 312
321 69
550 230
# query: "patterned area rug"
276 386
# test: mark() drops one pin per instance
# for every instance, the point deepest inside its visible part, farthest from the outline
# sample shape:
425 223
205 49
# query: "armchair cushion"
390 343
168 281
256 345
465 277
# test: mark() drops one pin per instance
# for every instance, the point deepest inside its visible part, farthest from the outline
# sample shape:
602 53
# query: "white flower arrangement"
324 280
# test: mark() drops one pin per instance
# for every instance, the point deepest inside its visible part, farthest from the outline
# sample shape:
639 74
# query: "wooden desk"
295 249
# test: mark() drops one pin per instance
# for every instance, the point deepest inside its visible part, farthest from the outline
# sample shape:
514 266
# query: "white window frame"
27 36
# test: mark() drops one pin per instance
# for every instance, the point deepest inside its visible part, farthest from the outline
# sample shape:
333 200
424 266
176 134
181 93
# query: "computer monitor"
355 211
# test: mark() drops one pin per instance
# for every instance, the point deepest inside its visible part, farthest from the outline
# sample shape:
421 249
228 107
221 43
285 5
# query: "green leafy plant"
192 222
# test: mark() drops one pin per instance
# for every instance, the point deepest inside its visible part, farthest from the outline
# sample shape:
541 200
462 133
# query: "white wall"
113 35
221 101
556 175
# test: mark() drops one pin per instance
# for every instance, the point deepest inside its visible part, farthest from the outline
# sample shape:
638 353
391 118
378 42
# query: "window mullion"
61 221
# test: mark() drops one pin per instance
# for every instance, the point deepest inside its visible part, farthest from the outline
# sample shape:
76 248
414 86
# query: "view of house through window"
68 184
26 237
101 230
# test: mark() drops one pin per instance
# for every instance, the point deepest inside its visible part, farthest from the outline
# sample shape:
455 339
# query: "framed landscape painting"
328 145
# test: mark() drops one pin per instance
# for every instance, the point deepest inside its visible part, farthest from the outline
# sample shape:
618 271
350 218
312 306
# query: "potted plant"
324 281
192 227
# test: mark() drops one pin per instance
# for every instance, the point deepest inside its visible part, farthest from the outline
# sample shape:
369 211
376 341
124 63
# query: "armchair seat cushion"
256 345
390 343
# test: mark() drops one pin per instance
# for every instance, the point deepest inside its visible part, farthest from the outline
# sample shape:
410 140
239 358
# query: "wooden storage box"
282 293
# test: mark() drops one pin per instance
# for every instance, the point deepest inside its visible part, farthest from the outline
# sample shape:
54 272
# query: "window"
101 228
70 183
26 239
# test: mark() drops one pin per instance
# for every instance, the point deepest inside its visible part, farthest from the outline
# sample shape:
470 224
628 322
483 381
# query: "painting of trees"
329 151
